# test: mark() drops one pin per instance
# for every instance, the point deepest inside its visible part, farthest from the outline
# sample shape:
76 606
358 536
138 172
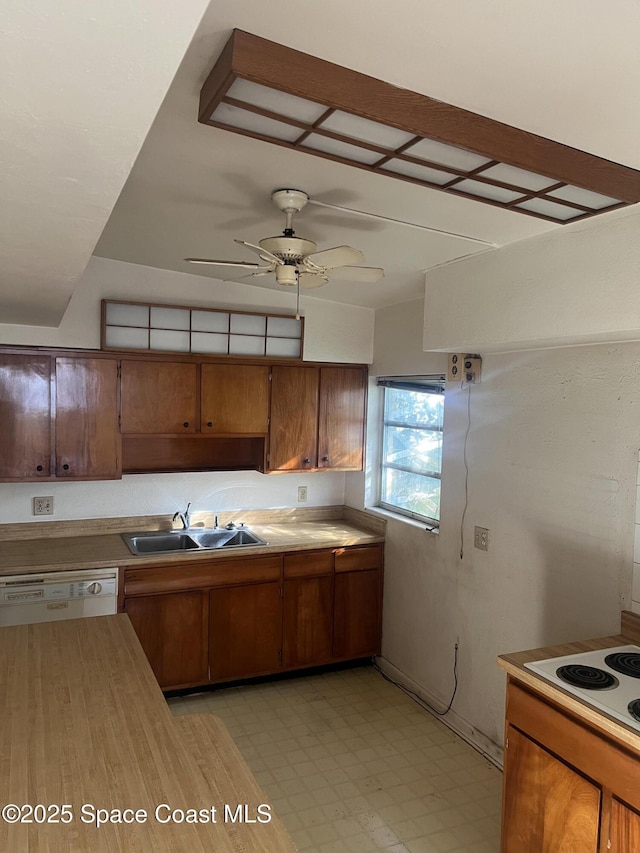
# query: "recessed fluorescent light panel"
270 92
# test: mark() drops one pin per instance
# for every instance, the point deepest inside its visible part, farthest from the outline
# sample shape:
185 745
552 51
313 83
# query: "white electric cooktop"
607 679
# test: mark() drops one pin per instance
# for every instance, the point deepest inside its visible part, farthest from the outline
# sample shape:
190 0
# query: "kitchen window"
411 458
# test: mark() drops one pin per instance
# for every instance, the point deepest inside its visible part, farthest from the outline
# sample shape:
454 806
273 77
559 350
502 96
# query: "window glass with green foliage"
412 447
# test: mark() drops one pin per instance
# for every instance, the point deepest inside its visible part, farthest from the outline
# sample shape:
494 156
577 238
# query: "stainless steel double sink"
167 542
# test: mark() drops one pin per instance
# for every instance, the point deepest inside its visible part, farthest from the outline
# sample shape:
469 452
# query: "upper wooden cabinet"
174 413
293 429
317 418
84 411
25 417
159 397
234 399
341 418
87 441
183 398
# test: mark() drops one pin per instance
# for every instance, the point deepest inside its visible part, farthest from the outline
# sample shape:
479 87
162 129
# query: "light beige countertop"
97 543
85 726
513 664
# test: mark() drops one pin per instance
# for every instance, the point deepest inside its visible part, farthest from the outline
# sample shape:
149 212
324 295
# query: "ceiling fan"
294 260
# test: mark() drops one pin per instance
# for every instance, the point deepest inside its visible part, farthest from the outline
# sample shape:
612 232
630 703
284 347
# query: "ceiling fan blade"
368 275
336 257
247 265
309 280
264 254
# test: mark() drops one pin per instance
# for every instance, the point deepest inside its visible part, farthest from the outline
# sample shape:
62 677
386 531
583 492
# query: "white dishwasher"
50 596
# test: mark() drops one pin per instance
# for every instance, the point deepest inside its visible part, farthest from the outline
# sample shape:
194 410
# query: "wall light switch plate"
43 506
481 538
302 494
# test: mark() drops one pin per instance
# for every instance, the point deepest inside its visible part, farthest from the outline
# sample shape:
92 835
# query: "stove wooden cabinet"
217 620
568 787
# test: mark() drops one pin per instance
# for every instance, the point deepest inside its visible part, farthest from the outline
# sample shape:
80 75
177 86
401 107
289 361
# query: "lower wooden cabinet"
207 622
358 602
245 629
568 788
624 835
307 621
173 630
549 807
356 619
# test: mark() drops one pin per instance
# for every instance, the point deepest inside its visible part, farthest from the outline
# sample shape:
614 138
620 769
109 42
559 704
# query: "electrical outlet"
481 538
454 368
472 369
302 494
43 506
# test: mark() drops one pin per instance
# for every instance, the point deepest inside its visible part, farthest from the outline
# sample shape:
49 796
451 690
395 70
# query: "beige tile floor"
352 764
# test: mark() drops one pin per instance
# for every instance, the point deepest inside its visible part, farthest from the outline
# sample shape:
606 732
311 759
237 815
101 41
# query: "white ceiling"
568 71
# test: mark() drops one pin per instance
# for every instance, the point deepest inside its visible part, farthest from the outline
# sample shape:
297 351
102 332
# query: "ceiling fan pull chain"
297 295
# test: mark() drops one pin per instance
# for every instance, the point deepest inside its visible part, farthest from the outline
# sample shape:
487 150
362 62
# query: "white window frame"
425 384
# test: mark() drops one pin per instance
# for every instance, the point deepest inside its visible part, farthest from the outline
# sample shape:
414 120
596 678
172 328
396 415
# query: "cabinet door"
624 835
172 629
87 438
357 625
235 399
294 418
341 418
245 630
548 807
307 622
25 416
158 397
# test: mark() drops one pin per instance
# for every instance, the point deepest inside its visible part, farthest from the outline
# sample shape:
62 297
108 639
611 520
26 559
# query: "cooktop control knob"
94 588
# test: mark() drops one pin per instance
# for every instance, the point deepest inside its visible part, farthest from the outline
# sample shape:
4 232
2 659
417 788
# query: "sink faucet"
185 517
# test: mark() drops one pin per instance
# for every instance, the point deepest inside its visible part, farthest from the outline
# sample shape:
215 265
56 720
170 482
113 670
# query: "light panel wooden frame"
257 60
230 333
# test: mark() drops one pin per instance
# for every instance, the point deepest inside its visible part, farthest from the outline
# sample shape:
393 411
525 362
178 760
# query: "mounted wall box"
464 368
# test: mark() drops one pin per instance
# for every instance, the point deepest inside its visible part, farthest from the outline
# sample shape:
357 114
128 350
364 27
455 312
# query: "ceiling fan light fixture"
270 92
287 275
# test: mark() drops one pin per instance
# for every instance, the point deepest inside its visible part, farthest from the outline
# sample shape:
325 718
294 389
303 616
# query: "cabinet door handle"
185 424
38 467
209 423
325 458
65 467
306 461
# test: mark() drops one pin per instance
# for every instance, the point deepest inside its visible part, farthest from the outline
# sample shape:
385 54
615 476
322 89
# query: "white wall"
552 455
575 285
157 494
333 332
